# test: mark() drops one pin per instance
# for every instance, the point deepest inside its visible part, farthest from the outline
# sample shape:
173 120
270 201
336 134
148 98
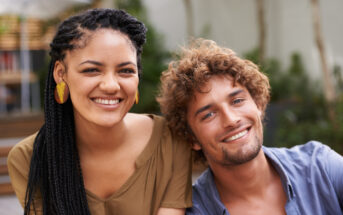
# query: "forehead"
215 89
103 42
101 36
216 85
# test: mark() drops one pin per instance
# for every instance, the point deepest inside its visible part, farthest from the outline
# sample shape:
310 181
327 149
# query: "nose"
110 83
229 117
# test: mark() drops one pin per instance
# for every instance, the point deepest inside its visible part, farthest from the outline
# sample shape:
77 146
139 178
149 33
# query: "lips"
235 135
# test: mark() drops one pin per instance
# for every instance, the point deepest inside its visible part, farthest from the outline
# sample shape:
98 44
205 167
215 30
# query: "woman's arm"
171 211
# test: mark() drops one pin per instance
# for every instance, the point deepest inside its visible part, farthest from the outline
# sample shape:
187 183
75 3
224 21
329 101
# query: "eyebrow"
202 109
235 93
91 62
206 107
101 64
126 63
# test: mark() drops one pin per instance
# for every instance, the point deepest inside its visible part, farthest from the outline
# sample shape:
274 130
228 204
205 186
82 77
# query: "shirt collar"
286 183
211 191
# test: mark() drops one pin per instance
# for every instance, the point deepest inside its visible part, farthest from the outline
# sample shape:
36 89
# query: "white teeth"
106 101
234 137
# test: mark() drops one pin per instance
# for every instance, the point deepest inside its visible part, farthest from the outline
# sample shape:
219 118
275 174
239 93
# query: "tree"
189 18
329 91
262 30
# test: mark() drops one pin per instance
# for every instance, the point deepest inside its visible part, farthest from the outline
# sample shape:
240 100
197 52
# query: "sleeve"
334 168
179 190
18 163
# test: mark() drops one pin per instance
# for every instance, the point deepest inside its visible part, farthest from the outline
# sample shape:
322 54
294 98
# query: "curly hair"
55 169
193 68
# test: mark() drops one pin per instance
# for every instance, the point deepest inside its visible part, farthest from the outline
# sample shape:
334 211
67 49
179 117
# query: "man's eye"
127 71
90 70
208 115
237 101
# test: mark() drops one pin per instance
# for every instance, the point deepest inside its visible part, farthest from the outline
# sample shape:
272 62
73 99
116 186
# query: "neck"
92 138
244 181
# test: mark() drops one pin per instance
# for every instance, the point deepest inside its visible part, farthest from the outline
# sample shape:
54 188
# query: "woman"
91 156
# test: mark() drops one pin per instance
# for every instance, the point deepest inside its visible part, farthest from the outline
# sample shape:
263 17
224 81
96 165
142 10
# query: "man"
216 101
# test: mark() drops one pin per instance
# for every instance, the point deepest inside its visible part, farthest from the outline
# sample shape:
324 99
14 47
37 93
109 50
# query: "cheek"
130 86
80 88
205 132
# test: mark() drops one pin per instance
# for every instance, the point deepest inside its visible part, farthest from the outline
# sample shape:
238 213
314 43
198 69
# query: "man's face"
226 122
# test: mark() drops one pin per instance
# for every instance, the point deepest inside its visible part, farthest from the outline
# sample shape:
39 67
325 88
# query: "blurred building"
10 68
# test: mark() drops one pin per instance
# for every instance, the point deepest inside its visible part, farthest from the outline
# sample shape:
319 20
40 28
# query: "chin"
106 122
242 156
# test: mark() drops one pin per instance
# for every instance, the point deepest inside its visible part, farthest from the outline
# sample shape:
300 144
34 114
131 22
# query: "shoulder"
145 121
161 130
160 143
310 149
22 150
18 163
309 155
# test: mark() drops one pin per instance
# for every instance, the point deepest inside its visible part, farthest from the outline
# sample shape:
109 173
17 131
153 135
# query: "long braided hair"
55 170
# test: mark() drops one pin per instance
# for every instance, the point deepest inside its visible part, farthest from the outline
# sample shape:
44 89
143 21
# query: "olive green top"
162 177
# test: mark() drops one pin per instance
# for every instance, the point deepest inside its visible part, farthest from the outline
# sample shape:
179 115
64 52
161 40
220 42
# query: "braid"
55 170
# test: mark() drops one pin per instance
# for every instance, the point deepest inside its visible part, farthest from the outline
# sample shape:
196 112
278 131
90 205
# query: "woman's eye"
127 71
208 115
90 70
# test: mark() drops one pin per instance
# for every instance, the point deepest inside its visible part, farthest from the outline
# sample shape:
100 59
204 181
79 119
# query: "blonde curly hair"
193 68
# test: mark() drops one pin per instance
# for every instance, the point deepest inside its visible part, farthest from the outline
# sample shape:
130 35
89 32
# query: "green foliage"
298 111
337 72
153 59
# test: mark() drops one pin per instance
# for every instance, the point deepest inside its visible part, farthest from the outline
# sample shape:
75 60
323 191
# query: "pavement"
9 205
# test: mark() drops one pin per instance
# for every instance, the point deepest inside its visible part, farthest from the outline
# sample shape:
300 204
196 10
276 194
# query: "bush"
298 111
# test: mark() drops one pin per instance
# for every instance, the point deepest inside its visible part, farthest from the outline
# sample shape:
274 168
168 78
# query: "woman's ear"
59 71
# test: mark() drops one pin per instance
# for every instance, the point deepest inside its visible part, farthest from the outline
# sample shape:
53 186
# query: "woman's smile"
106 101
108 104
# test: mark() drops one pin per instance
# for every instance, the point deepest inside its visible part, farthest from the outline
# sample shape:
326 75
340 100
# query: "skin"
102 77
227 125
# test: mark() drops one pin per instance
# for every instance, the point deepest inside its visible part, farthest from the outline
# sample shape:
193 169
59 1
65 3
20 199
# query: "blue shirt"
311 175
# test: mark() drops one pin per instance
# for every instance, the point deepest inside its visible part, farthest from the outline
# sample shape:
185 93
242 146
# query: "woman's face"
102 78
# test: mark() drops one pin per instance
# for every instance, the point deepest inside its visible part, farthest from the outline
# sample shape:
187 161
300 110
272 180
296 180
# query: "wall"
233 23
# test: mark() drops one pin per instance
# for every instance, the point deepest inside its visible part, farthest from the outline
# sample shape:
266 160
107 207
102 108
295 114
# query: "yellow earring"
61 92
137 98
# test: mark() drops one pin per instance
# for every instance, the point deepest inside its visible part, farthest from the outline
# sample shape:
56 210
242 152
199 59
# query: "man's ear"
259 108
195 143
59 71
260 112
196 146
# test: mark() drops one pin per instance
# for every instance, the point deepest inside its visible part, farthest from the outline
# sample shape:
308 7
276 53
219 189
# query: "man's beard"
243 155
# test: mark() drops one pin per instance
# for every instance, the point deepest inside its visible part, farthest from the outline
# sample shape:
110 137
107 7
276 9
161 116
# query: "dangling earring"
61 92
137 98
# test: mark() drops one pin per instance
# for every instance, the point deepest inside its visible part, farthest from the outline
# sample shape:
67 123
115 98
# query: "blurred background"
297 43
